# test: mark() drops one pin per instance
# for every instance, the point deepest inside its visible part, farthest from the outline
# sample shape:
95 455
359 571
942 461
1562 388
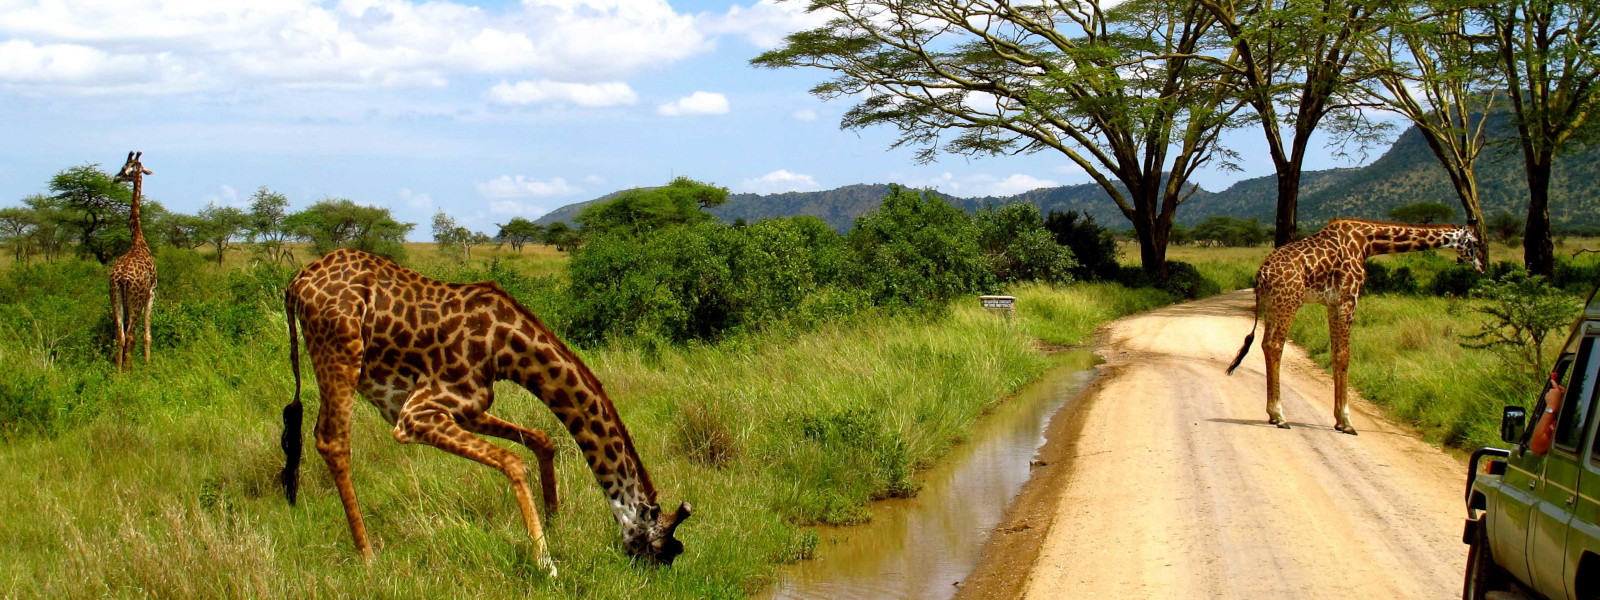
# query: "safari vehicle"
1534 521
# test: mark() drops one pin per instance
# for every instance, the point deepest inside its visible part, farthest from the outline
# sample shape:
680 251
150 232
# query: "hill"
1406 173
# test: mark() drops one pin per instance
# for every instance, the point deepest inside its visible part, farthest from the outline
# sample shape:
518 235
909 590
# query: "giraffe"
426 354
133 275
1329 268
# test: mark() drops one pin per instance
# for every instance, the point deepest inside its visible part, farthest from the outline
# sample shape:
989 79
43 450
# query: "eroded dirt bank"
1166 482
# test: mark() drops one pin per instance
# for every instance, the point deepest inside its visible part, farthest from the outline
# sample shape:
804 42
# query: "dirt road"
1168 483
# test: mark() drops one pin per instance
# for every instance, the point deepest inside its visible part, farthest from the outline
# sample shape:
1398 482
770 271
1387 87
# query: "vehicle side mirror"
1512 422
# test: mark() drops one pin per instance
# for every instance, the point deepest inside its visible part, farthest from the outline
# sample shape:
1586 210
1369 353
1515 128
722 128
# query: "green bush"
1381 280
1228 231
1093 247
917 250
1182 280
1017 247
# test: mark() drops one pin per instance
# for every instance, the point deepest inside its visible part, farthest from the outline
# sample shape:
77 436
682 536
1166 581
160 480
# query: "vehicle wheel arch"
1588 577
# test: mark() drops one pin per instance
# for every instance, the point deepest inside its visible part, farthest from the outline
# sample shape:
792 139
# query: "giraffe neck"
541 363
133 213
1390 238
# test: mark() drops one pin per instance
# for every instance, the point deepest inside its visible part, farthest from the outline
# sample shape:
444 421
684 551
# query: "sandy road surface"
1173 486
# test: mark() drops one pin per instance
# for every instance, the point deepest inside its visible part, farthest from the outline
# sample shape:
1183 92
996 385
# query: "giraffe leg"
425 419
149 306
337 380
122 332
1272 349
1340 319
534 439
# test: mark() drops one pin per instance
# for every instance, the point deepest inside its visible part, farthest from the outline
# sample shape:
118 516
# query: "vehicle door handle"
1532 483
1571 500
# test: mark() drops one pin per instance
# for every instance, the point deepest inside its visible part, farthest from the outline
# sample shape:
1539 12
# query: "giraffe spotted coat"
1329 268
426 354
133 275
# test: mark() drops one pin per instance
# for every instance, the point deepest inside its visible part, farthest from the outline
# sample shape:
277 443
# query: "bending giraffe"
133 275
427 354
1329 268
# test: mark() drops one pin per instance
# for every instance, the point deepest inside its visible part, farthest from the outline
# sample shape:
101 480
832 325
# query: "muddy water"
920 547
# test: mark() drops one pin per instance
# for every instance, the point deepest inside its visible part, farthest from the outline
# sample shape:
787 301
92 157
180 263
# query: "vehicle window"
1575 407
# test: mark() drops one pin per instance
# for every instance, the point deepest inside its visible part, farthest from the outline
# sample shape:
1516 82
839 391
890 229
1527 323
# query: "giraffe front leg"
1272 349
1340 322
534 439
425 420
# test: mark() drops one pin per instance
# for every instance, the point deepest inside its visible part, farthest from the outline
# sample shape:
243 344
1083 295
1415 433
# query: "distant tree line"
86 215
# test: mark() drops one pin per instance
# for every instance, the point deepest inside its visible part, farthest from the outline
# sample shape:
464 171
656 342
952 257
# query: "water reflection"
920 547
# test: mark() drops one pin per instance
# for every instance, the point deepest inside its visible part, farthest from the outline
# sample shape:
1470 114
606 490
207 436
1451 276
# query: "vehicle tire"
1483 574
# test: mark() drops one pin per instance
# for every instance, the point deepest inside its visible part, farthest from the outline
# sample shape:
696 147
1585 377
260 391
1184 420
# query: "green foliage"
1017 247
1228 231
562 237
1182 280
1093 247
1506 227
1381 280
519 231
265 225
1422 213
341 223
94 209
1523 311
916 249
453 240
634 212
220 225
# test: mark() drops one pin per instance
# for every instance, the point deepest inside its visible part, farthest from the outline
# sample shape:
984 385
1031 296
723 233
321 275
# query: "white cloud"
698 103
805 114
986 185
184 45
517 208
778 181
506 186
594 179
418 201
611 93
764 23
226 196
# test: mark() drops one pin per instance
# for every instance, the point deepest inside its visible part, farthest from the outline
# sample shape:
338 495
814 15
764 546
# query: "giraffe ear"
678 517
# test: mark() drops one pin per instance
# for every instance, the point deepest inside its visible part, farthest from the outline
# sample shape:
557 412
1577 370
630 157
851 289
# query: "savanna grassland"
161 482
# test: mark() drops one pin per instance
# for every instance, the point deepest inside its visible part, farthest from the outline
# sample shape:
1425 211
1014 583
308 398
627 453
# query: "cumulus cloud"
418 201
178 45
698 103
986 185
506 186
779 181
805 114
611 93
764 23
226 195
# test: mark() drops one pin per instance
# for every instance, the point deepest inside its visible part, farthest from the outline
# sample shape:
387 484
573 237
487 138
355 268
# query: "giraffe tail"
1249 339
293 413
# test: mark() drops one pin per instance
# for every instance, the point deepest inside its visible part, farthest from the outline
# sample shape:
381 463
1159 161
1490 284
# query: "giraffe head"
651 538
1469 249
131 169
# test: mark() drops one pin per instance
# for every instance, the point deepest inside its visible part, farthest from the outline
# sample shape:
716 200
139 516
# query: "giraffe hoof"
1346 429
1282 425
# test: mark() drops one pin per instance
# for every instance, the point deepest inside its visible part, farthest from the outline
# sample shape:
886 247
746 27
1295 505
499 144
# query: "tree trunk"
1538 251
1288 204
1152 228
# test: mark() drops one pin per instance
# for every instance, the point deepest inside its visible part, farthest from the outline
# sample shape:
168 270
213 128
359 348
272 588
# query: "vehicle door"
1557 498
1584 535
1512 510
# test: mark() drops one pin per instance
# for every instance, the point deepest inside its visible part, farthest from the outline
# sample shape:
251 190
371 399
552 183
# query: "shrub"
916 250
1523 311
1093 247
1229 231
1017 247
1381 280
1182 280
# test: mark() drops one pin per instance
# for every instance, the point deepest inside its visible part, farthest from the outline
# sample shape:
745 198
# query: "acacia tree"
1546 53
17 228
93 207
1293 63
1121 91
452 239
265 224
1429 65
519 231
219 225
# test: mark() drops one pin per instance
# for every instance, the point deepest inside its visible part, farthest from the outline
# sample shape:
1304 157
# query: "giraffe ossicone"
1329 268
133 275
426 354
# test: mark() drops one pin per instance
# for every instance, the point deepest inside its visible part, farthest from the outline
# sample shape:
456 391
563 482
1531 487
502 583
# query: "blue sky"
487 109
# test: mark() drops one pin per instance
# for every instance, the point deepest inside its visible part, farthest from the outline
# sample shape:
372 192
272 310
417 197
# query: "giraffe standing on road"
133 276
427 354
1329 268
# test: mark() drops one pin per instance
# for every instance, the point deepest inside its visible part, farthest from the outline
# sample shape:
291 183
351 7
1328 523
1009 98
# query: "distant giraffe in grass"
133 276
1329 268
427 354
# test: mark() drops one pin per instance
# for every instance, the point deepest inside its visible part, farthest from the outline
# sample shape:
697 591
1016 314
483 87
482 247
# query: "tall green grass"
160 482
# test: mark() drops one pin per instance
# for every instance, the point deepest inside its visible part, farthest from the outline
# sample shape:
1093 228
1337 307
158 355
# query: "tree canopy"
636 211
341 223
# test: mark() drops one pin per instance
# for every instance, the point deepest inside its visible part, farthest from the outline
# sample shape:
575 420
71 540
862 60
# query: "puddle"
920 547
